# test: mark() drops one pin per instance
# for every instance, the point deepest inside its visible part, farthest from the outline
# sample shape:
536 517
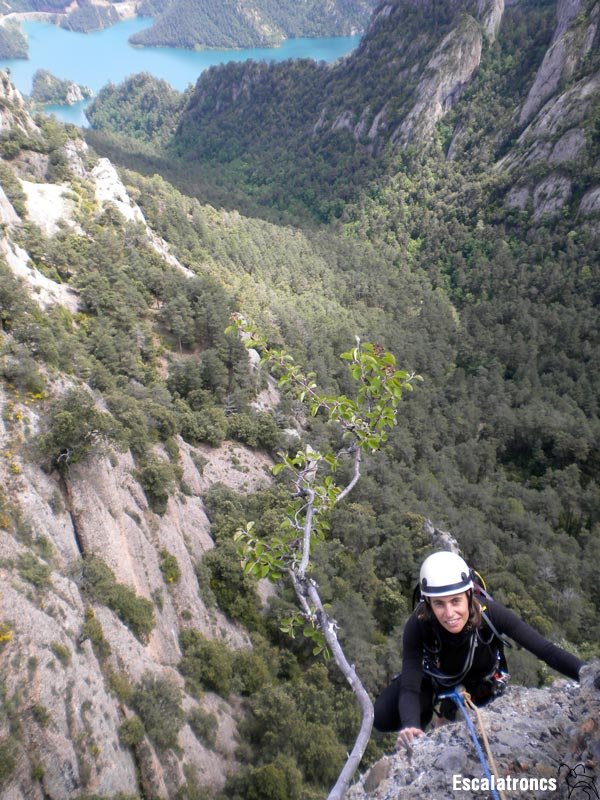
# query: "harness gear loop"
462 698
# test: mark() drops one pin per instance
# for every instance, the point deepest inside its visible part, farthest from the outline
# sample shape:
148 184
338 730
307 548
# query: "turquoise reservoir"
94 59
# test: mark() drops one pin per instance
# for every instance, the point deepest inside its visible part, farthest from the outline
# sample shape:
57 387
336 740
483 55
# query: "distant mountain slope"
12 42
424 71
250 23
79 15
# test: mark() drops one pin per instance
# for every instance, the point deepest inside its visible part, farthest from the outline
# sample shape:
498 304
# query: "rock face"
550 734
445 77
13 114
573 38
557 118
47 88
60 729
104 512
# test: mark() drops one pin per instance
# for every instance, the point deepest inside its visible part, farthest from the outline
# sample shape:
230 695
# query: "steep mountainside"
463 236
137 659
12 42
345 123
82 15
250 23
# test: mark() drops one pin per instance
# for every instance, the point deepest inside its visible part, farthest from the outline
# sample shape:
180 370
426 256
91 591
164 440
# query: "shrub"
20 369
251 672
320 754
206 663
191 789
205 727
76 429
92 630
120 685
157 479
6 634
132 731
8 758
254 429
35 571
169 567
278 780
212 426
135 612
41 714
203 576
62 652
235 592
158 702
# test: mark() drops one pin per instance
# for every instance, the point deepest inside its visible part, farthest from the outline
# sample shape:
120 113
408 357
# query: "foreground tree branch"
364 421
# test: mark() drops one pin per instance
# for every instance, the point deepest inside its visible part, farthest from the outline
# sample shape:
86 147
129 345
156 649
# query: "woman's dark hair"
425 614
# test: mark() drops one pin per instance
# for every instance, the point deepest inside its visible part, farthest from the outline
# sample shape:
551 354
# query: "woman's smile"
451 612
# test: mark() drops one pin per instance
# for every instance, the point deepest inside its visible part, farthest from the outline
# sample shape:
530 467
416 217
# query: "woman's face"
451 612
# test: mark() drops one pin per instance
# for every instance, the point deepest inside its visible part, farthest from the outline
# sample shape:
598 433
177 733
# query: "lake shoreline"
106 56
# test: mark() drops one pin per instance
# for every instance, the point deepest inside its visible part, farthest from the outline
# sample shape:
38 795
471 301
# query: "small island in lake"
48 89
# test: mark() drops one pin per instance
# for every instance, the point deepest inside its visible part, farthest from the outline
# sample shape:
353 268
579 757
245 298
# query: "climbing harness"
462 699
496 679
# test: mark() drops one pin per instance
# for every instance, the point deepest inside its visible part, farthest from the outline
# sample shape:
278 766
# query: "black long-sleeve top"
454 649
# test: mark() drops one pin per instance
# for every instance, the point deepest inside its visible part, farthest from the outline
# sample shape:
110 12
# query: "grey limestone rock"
531 733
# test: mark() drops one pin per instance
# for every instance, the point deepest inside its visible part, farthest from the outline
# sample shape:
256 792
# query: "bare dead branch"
355 477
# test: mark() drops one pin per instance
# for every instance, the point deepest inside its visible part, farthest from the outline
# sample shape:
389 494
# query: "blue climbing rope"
458 699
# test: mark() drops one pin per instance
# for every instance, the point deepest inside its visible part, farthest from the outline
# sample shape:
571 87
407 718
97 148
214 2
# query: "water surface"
94 59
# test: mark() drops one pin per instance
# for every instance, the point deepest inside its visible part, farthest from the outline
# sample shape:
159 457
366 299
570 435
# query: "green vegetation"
169 567
13 43
186 23
132 731
41 714
35 571
158 703
47 88
206 663
8 758
205 727
62 652
135 612
75 429
143 107
87 17
92 630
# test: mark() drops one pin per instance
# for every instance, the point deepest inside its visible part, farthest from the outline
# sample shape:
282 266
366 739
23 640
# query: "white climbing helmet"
443 574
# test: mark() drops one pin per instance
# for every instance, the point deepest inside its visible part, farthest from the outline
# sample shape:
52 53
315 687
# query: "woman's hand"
406 736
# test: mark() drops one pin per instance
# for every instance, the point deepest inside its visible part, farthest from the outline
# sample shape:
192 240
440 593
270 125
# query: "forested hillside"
249 23
468 247
12 42
507 418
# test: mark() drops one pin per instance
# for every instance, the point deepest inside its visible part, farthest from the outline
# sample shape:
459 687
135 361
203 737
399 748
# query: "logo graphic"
580 783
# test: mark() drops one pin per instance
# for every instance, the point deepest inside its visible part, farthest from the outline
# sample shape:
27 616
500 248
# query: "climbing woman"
452 639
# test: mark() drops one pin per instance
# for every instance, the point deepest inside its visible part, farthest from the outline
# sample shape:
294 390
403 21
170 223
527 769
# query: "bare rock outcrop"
69 718
574 35
13 113
110 190
590 202
536 736
490 14
447 74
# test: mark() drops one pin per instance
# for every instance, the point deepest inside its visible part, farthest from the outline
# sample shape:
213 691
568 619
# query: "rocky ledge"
47 88
549 738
